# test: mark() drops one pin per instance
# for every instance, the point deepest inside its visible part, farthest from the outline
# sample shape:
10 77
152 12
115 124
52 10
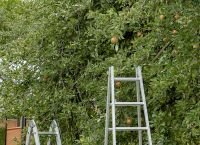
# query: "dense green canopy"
56 53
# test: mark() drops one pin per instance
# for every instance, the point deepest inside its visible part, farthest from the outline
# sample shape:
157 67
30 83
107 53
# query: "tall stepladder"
33 130
111 102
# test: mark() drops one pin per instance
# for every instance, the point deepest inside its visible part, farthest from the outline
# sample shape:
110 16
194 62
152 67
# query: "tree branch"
159 53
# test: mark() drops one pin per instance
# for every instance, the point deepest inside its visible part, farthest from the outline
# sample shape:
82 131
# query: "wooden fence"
12 132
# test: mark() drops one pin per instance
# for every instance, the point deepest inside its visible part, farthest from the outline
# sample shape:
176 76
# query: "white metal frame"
53 130
140 95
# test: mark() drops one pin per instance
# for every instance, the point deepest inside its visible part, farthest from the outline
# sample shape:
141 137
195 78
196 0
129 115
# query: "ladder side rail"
56 129
49 139
28 135
138 109
145 106
113 105
107 110
35 133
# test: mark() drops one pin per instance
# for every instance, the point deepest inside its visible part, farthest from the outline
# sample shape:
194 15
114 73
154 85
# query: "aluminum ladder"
32 130
111 102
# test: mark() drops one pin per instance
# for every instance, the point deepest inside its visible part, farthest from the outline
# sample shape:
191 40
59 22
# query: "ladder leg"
139 111
58 139
28 135
107 111
50 130
113 105
145 106
35 133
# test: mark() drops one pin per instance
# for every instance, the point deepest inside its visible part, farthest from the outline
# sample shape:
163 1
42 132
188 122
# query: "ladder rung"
126 79
128 103
47 133
128 128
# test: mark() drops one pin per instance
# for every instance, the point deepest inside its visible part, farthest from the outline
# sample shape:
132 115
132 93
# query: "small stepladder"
113 103
33 130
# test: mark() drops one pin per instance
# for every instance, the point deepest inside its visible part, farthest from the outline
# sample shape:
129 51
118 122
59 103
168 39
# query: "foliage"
56 53
2 136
